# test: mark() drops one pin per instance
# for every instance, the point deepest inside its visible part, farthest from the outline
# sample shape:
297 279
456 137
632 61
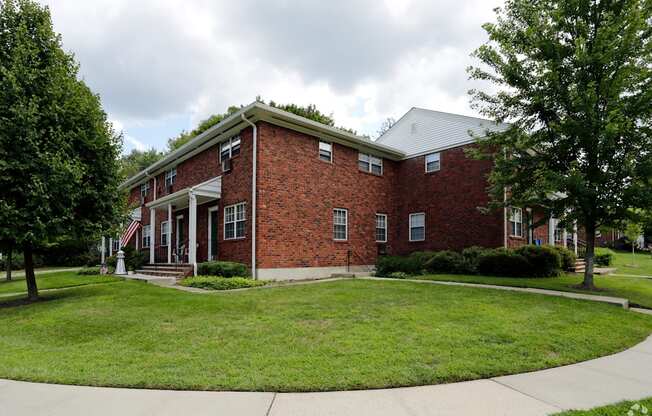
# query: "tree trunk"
30 278
589 258
9 263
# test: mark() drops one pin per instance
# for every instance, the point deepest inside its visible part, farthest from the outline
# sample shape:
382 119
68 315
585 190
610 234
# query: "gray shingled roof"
421 131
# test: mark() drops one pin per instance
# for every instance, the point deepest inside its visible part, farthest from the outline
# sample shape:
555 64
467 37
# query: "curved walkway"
625 375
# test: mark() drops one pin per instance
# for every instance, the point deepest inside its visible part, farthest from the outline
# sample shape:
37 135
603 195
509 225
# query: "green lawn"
637 290
348 334
619 409
640 264
52 280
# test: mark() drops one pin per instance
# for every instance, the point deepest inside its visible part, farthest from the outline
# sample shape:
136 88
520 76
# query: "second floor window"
371 164
235 221
147 235
433 162
230 148
144 189
516 222
170 177
326 151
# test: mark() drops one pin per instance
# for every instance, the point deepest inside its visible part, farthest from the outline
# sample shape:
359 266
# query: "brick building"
294 198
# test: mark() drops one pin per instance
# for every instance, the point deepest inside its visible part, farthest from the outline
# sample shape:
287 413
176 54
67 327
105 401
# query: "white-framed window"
230 148
146 235
516 222
165 233
340 224
418 226
170 177
433 162
371 164
235 221
381 228
326 151
116 244
144 189
559 232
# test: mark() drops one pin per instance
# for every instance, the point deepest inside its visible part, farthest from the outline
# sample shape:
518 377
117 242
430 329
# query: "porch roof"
204 192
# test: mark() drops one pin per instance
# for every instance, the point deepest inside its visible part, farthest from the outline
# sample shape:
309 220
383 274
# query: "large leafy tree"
137 160
58 154
574 78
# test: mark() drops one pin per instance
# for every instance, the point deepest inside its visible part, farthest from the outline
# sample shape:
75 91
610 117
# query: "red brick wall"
539 233
297 193
450 199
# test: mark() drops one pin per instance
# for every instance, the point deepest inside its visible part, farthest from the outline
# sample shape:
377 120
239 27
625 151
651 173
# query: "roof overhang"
256 112
204 192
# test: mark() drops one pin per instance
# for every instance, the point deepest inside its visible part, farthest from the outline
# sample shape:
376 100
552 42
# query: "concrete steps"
580 265
176 271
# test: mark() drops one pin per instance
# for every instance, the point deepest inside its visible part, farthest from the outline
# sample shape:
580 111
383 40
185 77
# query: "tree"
633 230
184 137
138 160
58 153
386 125
574 79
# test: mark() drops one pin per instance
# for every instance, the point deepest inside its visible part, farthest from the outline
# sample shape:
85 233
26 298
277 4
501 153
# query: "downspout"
254 273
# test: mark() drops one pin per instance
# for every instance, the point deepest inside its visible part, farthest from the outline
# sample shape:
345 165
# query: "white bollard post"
120 266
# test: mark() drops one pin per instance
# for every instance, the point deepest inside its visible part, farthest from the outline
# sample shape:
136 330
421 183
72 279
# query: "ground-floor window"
418 226
340 224
165 233
146 235
235 221
381 228
516 222
559 232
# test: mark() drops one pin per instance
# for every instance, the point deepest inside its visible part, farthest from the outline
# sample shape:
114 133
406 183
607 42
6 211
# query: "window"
235 221
146 235
381 228
516 222
340 218
326 151
165 233
559 232
418 227
170 177
230 148
371 164
144 189
432 162
116 244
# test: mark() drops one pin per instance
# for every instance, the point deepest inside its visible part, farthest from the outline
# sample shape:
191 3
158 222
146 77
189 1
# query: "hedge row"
526 261
221 283
222 268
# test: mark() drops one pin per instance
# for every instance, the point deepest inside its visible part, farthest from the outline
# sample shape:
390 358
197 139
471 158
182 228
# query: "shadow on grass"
49 295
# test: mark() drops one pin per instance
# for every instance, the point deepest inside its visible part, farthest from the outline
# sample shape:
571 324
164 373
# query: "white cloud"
363 60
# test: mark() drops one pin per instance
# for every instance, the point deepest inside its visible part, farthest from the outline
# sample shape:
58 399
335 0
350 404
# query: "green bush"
221 283
544 261
502 262
445 262
386 265
603 257
472 257
568 258
422 257
135 259
89 270
222 268
112 261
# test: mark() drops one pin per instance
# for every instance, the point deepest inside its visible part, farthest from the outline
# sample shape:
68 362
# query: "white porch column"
169 233
551 231
192 232
103 255
152 234
110 247
565 238
575 237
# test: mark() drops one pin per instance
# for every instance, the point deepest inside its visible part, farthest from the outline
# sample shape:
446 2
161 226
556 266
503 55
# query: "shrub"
221 283
222 268
422 257
502 262
472 257
445 262
568 258
386 265
135 259
398 275
603 257
89 270
544 261
112 261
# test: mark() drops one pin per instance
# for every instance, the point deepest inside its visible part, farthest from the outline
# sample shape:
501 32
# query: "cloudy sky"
161 66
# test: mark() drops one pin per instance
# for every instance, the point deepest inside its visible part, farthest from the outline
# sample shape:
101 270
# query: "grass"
640 264
52 281
637 290
350 334
619 409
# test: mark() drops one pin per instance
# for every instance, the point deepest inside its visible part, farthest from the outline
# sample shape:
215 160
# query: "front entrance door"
212 233
181 241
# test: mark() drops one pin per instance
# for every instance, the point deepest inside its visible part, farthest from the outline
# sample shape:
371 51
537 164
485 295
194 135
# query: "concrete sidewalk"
626 375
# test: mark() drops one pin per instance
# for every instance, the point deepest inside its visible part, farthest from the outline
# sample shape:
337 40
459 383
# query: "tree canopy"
58 153
574 79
